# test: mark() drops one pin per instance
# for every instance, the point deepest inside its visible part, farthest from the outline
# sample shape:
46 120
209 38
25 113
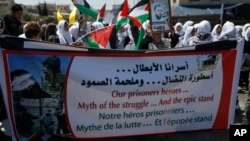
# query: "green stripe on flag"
86 11
141 35
143 18
121 23
92 43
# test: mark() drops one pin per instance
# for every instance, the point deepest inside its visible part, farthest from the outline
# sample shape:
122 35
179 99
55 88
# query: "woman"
216 31
96 25
63 33
202 35
190 32
228 31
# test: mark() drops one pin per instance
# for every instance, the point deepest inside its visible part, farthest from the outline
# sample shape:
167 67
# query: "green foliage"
44 10
3 12
50 19
29 17
39 9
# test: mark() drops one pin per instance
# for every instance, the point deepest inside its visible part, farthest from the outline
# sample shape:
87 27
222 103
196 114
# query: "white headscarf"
244 29
214 32
203 35
207 25
187 36
239 29
74 30
64 36
187 24
97 25
247 35
228 31
180 33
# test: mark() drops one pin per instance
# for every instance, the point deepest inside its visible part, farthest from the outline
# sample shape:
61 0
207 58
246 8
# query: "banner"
86 93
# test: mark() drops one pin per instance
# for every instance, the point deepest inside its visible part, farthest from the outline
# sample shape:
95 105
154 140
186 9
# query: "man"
154 41
32 31
12 21
158 16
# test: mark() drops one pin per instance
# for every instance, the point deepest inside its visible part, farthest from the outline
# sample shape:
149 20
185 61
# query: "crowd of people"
180 35
184 34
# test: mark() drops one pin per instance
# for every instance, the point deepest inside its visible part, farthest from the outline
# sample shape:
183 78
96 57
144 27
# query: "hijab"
74 30
228 31
187 36
244 29
247 35
187 24
64 36
181 32
239 29
97 25
214 31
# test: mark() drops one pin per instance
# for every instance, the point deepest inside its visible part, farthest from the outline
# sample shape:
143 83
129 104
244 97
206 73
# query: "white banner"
96 94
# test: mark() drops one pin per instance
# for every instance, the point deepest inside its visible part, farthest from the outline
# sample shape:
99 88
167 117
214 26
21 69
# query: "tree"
39 9
44 10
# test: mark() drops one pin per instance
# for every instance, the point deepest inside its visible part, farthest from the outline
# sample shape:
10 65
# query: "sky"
96 4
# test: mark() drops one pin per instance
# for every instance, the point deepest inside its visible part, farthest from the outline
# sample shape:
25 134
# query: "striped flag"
136 22
140 11
99 38
121 17
84 7
101 14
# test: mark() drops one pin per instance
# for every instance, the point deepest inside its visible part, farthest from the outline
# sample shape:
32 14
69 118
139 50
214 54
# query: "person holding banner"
154 41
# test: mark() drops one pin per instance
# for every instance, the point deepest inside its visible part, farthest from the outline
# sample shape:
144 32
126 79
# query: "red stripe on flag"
125 9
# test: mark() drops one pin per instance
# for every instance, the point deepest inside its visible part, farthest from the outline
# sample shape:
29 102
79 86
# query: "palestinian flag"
137 23
140 11
121 17
99 38
101 14
84 8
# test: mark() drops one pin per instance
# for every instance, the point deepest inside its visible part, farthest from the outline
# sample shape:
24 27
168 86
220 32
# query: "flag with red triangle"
101 14
121 17
140 11
136 22
99 38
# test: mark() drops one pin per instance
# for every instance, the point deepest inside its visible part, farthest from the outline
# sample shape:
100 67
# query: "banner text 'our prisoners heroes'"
138 99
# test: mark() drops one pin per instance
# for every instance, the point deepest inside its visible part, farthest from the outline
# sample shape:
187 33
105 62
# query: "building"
6 4
197 10
205 2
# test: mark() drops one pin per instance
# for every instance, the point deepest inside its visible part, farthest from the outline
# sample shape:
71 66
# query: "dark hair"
16 7
157 5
